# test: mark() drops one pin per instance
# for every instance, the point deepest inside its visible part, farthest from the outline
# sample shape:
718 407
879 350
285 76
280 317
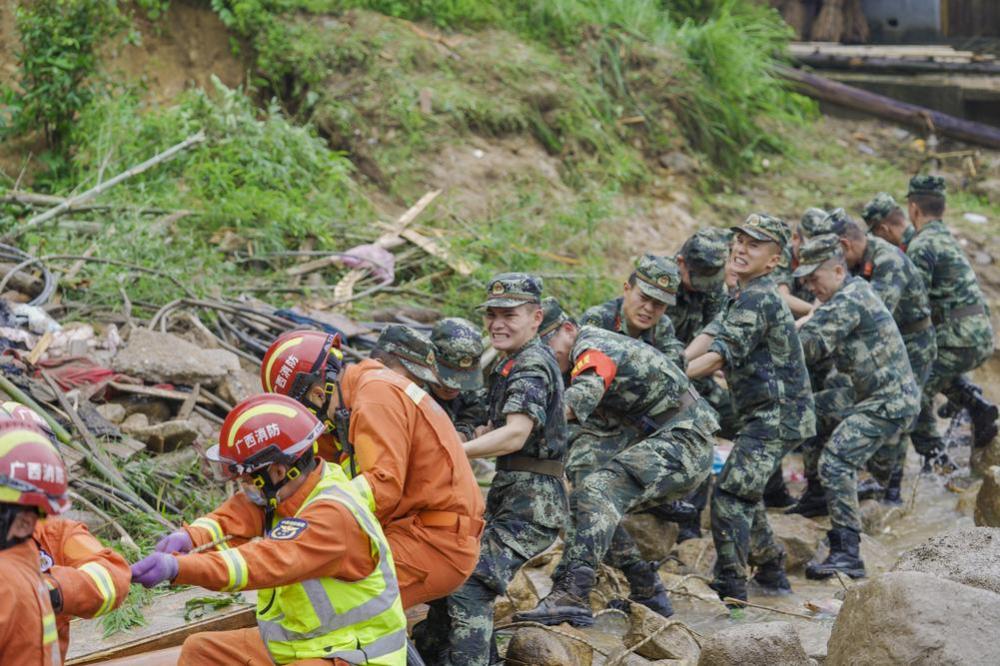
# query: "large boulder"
692 556
550 647
969 555
654 536
166 358
763 644
801 537
987 512
668 639
983 458
909 617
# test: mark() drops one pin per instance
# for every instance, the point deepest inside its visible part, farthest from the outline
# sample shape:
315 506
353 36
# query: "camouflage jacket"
951 284
661 336
621 380
896 281
908 235
763 362
855 328
467 411
693 311
529 382
782 275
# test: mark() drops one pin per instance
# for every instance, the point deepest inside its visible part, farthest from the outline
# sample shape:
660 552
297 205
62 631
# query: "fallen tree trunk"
881 106
891 65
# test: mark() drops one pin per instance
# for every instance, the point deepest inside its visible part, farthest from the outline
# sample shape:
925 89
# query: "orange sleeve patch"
599 362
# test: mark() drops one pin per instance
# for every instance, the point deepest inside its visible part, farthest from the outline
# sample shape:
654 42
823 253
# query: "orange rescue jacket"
27 623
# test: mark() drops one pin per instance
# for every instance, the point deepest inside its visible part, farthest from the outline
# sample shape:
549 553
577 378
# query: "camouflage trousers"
951 362
667 465
589 450
852 445
834 406
721 401
524 513
740 530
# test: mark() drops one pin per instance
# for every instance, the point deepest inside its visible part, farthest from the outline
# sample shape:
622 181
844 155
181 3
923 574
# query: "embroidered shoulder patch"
288 528
46 560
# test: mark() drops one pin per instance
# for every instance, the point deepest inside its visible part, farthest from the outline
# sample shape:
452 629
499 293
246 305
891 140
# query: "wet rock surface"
970 556
910 617
667 638
559 646
763 644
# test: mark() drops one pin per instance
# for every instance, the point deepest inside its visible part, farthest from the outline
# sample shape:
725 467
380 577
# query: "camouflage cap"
413 350
933 185
837 222
509 290
815 251
811 222
878 209
553 316
458 345
658 277
765 227
705 255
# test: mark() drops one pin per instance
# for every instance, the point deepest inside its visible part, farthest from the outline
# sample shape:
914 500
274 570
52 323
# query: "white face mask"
253 494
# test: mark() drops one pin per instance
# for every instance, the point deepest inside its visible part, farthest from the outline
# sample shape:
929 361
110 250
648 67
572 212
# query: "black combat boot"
733 588
893 489
813 500
569 600
677 511
776 495
984 419
938 462
845 556
647 588
770 578
870 488
690 530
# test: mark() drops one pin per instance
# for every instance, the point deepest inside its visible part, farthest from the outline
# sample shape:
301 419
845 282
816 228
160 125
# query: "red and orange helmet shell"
263 421
295 353
31 471
17 411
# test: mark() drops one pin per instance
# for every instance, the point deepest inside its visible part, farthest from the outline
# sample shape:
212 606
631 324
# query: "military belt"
915 326
959 313
650 423
520 463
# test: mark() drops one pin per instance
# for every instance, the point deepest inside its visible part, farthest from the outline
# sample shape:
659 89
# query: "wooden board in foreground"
166 628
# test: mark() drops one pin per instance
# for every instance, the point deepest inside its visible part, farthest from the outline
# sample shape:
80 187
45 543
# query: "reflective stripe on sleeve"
237 567
105 585
214 530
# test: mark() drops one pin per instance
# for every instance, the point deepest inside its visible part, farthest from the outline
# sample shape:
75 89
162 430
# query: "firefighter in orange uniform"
403 447
85 578
301 535
32 485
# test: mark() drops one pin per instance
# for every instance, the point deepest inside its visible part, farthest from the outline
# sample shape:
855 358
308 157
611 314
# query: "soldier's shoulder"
599 315
535 355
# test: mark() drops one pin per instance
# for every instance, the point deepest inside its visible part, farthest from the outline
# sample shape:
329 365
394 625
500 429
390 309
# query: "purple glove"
153 569
175 542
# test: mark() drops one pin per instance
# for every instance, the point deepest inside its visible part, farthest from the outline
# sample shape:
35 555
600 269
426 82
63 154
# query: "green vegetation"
57 64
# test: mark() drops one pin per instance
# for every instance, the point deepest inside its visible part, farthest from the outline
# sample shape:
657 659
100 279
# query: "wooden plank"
153 392
167 628
435 249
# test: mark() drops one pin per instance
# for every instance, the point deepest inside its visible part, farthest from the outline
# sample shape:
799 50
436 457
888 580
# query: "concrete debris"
763 644
167 358
161 437
909 617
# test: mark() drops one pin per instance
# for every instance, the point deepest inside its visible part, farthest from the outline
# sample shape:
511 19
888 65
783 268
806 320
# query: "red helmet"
299 359
265 429
19 412
31 471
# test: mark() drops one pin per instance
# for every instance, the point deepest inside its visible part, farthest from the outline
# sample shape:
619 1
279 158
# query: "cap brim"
707 282
462 380
422 372
659 294
805 270
756 234
501 302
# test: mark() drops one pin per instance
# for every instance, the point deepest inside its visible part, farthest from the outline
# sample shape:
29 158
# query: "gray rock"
987 511
670 638
654 536
239 385
112 411
800 535
161 437
692 556
762 644
968 555
908 617
166 358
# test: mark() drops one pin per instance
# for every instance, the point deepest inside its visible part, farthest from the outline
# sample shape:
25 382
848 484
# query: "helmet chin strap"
262 480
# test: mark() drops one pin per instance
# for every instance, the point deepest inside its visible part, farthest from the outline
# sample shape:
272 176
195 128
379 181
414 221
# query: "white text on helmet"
259 436
39 472
286 370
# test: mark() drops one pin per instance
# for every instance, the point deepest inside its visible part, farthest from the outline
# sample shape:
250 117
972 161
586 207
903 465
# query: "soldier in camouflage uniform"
754 341
526 431
961 318
668 452
458 347
887 220
640 311
896 281
798 302
853 326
